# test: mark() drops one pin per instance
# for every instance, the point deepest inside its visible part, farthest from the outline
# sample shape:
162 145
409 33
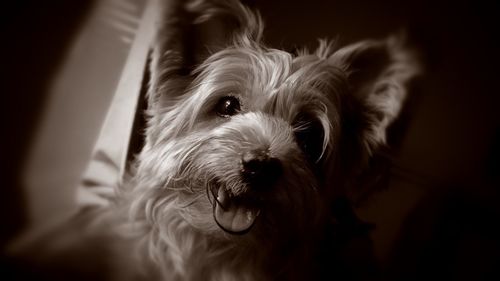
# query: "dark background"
438 215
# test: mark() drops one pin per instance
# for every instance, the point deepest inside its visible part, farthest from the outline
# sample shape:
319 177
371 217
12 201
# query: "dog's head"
245 139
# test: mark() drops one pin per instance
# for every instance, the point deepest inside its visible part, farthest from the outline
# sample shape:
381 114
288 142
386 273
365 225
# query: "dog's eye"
228 106
309 135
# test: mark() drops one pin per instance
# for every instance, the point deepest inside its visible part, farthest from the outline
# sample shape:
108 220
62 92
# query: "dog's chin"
235 214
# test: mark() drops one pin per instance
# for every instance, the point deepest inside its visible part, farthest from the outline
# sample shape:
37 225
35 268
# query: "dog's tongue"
231 217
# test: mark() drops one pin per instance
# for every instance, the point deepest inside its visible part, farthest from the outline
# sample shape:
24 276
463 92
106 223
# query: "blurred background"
62 61
438 212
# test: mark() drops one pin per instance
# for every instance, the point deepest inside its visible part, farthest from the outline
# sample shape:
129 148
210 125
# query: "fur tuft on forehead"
255 71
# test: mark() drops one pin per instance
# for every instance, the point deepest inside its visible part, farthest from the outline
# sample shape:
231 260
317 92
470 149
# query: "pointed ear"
187 33
378 73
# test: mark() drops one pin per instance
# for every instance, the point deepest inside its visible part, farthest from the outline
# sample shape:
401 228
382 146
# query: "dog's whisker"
213 190
208 192
189 202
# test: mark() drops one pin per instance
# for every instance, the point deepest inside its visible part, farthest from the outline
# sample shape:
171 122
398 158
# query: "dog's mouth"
234 214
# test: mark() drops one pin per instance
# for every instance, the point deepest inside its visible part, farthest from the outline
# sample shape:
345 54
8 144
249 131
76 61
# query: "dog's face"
247 140
242 146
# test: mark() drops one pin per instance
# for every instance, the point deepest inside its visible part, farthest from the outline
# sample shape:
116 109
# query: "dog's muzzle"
236 214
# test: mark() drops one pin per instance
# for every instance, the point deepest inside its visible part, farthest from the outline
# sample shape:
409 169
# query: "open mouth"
234 214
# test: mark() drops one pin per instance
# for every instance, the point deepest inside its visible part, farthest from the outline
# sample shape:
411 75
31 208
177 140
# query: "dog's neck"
178 251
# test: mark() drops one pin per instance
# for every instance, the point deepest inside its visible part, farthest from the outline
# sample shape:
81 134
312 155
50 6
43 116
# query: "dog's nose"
259 169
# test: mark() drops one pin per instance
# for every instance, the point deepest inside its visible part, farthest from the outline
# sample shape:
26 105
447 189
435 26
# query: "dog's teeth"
249 215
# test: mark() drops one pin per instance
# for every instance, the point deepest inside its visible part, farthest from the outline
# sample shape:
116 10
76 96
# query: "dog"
246 148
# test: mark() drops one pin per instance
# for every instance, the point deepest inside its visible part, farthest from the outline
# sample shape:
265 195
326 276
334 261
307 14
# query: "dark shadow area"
450 236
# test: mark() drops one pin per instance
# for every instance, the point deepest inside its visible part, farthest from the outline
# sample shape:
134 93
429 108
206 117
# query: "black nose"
259 169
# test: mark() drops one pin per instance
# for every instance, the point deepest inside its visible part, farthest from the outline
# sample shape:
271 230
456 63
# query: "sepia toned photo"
249 140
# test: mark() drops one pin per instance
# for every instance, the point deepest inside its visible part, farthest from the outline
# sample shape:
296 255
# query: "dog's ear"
187 33
378 73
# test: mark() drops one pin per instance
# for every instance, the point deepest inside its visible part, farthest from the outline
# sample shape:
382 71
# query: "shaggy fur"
318 116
